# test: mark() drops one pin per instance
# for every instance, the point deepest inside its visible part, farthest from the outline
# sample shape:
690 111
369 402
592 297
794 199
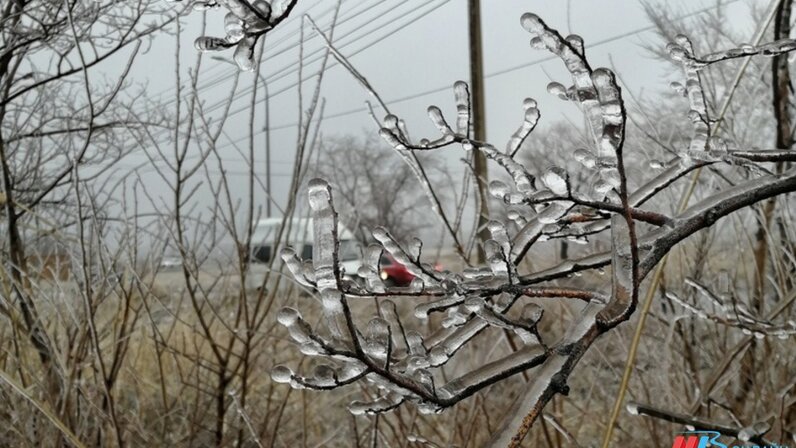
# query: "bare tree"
372 191
404 366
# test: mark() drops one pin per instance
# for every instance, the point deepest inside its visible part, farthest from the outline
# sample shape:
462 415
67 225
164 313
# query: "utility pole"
479 118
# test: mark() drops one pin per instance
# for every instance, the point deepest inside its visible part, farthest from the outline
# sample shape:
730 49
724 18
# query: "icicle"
377 338
462 94
294 265
370 269
577 66
391 138
390 313
324 251
696 97
522 179
612 112
244 54
500 235
555 179
423 310
496 259
436 117
209 43
441 353
622 268
531 118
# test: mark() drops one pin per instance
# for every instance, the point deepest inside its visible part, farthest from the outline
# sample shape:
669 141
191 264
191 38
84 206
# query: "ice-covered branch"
680 53
245 22
732 314
403 364
753 433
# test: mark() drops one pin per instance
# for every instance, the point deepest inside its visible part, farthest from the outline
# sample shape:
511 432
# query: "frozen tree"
403 366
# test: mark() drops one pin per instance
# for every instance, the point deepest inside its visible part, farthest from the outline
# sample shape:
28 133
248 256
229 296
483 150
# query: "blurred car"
170 263
394 273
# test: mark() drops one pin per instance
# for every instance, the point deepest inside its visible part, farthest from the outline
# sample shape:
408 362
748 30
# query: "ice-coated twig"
575 61
244 24
325 257
693 90
401 363
753 433
412 263
530 119
732 315
680 53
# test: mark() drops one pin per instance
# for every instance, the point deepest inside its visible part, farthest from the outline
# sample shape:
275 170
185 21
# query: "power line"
292 67
340 45
488 75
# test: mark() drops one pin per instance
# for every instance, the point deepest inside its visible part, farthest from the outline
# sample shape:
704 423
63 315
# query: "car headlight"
384 275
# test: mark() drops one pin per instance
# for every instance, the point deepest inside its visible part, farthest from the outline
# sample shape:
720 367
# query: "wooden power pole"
479 118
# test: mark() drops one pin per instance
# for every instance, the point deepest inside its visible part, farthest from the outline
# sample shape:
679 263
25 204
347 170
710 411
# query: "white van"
298 235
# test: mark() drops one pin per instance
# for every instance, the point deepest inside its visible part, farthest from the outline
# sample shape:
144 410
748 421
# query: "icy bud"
678 88
209 43
557 89
676 52
576 42
325 375
532 313
281 374
585 158
263 7
233 25
555 179
435 115
498 189
244 54
288 316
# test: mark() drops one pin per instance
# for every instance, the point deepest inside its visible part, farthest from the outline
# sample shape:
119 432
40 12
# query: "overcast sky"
413 49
